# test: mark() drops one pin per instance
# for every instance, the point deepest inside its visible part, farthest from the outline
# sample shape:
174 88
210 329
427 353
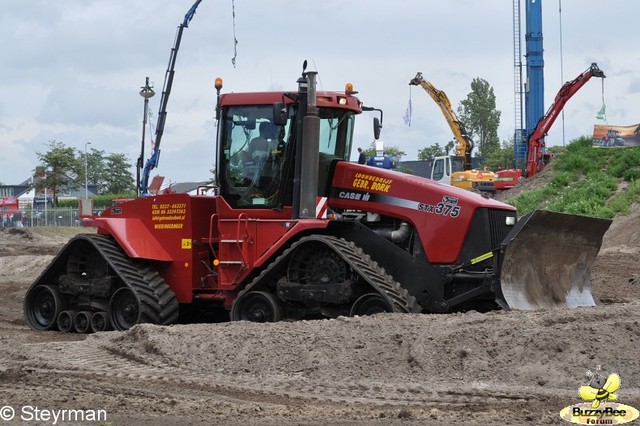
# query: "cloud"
89 104
634 85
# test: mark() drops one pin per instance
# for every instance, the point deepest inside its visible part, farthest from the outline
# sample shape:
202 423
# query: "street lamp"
147 93
86 171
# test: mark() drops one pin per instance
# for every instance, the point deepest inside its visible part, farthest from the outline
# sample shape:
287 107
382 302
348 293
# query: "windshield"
336 130
256 157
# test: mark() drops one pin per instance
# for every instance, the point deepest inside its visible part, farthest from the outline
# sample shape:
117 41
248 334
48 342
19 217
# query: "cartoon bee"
600 390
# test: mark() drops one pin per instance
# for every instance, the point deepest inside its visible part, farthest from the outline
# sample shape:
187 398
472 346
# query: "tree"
436 150
110 173
501 158
480 117
117 174
95 166
63 168
96 170
214 172
391 151
59 169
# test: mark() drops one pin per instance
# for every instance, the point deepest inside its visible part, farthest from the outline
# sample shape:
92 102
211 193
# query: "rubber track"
359 261
158 304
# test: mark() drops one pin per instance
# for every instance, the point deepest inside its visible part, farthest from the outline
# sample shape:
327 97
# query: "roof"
24 190
13 190
339 100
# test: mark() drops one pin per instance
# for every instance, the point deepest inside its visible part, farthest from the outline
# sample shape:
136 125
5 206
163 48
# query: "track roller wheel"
370 304
257 306
81 321
42 305
317 264
124 309
100 322
65 321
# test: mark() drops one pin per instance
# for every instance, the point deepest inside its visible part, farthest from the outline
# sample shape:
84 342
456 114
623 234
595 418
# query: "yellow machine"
462 174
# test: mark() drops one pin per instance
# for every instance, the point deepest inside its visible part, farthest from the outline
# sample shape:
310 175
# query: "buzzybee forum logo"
601 407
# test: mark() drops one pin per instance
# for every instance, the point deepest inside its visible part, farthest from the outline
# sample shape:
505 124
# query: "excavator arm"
464 144
536 151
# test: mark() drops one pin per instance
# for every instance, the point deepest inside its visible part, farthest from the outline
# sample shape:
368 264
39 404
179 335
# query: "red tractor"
294 230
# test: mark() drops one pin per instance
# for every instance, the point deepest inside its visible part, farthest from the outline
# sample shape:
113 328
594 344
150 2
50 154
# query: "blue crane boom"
152 162
534 85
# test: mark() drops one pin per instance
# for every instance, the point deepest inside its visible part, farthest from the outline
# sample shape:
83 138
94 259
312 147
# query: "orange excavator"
461 172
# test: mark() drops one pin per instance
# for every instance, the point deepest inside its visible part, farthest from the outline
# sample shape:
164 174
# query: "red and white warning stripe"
321 208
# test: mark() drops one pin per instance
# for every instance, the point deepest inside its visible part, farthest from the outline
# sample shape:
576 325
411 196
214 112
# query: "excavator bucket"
547 260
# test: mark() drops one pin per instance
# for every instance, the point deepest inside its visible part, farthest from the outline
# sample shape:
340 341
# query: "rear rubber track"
157 302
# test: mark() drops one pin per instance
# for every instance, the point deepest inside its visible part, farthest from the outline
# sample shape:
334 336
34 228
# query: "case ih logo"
357 196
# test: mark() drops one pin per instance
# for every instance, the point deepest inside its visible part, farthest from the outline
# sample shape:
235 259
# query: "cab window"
253 153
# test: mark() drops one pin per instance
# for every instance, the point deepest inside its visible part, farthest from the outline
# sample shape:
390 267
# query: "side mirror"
376 128
279 114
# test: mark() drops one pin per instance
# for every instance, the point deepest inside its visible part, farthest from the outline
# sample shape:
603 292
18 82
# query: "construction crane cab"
455 170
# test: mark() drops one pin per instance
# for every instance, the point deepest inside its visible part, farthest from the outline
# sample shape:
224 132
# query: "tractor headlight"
510 220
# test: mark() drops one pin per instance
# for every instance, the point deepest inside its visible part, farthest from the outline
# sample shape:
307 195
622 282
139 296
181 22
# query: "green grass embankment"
597 182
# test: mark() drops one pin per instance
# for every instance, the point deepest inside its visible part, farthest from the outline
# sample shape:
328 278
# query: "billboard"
605 135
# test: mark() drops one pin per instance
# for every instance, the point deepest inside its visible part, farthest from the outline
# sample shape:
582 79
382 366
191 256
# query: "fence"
51 217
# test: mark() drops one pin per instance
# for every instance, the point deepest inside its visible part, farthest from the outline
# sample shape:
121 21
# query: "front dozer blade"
547 259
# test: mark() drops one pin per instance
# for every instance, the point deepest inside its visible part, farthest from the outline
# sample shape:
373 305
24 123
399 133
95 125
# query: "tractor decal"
371 182
447 207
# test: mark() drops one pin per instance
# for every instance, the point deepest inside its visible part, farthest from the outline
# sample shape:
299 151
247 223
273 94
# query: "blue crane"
534 83
152 162
534 93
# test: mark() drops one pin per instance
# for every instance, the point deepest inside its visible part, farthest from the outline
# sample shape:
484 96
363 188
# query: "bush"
68 203
631 175
106 200
587 182
562 179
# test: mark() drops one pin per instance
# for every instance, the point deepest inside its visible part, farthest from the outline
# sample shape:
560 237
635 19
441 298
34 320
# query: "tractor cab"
261 153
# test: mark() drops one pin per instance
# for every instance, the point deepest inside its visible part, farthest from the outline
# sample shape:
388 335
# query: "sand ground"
502 367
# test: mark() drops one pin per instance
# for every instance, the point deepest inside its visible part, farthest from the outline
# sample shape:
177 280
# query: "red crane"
537 157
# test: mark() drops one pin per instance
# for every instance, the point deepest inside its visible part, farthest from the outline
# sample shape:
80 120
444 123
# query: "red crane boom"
536 154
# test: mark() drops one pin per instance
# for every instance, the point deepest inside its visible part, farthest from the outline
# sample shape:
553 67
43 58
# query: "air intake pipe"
395 235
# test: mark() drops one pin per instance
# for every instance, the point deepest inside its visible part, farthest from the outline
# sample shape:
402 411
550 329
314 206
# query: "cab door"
441 170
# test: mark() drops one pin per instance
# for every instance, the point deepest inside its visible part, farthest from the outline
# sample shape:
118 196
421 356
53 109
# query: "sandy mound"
623 235
546 349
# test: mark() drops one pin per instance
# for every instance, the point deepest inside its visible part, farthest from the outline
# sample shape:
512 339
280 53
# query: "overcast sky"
72 69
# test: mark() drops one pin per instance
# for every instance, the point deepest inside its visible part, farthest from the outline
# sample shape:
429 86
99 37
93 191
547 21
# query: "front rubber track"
157 302
367 268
